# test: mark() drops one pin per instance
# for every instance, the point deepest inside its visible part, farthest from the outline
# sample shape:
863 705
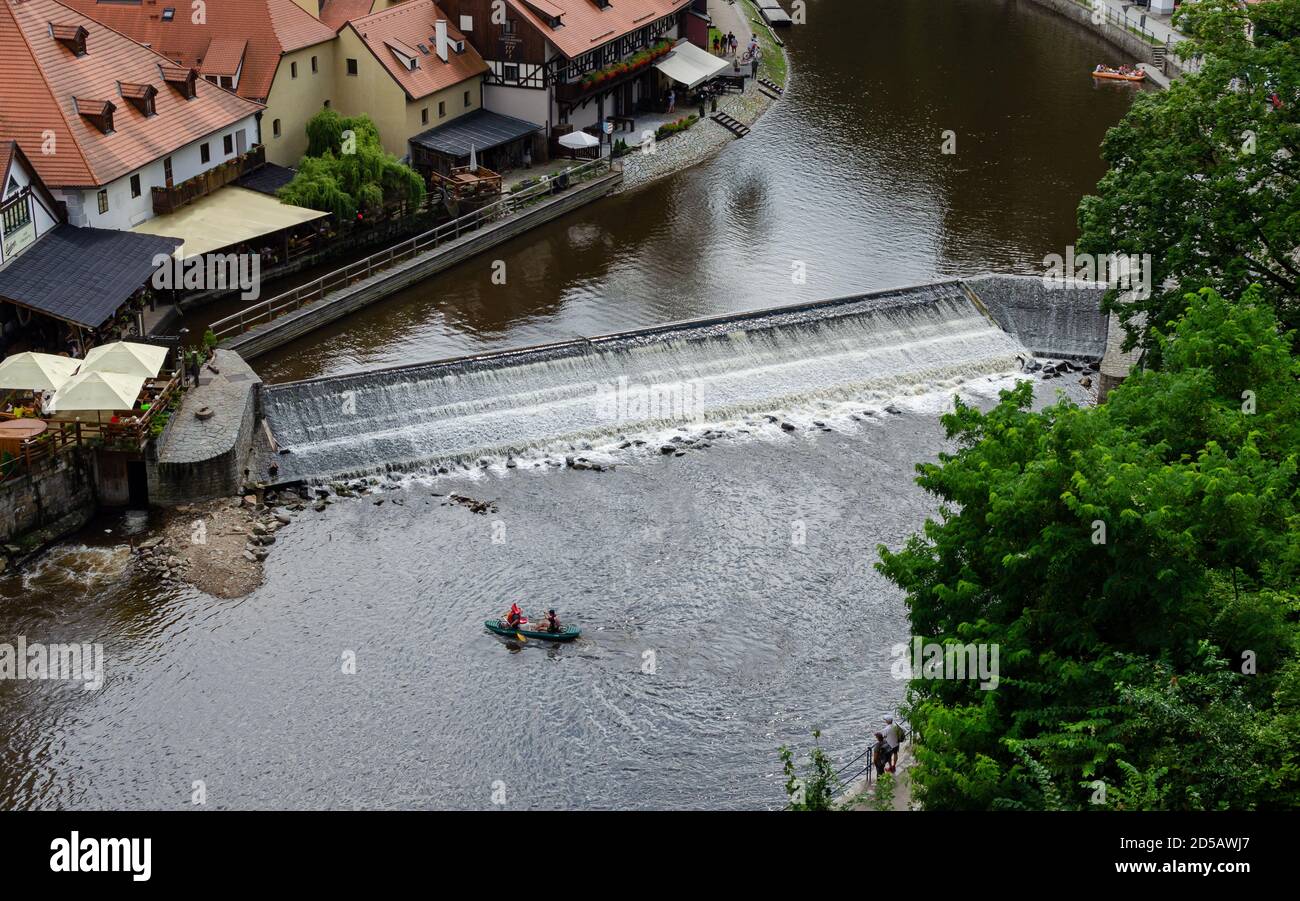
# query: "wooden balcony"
611 76
169 200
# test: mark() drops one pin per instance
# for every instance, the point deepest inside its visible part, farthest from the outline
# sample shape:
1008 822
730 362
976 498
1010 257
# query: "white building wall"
529 104
125 211
43 218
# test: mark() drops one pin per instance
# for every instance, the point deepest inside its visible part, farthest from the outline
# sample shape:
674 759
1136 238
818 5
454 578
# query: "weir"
882 344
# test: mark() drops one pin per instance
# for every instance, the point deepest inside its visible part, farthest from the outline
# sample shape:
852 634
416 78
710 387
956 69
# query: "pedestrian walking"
672 101
734 44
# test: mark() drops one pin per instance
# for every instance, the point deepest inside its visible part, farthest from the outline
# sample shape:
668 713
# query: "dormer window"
98 113
405 56
141 96
181 79
548 12
603 4
71 36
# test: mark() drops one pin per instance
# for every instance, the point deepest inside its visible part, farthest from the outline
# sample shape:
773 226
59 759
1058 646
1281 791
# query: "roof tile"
584 25
45 90
409 24
270 27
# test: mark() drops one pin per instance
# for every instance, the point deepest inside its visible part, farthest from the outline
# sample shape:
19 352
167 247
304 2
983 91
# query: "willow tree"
1205 177
347 170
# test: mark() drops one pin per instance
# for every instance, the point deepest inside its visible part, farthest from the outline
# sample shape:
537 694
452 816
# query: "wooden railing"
610 76
56 439
169 200
61 435
267 310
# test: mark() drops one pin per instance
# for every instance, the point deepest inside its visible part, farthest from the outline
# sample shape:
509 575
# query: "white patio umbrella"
473 159
579 140
126 358
102 391
36 372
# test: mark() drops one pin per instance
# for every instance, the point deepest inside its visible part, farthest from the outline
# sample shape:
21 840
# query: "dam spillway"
871 346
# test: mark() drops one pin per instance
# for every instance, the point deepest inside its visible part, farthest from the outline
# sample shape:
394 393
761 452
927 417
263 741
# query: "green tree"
816 789
1126 559
1205 177
347 170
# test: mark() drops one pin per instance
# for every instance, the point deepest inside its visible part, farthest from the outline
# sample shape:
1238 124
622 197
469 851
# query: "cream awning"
228 216
690 66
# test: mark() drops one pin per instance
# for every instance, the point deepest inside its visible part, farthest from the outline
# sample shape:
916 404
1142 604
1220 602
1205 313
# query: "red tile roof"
337 13
406 25
584 25
271 28
44 88
223 56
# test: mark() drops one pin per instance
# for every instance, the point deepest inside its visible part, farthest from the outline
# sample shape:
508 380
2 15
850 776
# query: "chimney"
440 36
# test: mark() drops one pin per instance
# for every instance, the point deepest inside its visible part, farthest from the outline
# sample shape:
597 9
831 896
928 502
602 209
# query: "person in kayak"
552 622
515 618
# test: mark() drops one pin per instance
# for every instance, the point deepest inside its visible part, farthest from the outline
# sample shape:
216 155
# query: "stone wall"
1064 321
200 459
1130 43
57 498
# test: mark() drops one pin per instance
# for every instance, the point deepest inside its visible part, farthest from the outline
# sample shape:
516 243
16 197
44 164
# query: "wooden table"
14 432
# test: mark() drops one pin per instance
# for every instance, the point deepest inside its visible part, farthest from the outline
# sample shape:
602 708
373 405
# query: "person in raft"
552 622
515 619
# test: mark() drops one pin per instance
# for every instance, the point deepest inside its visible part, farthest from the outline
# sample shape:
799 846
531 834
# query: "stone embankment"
695 145
705 138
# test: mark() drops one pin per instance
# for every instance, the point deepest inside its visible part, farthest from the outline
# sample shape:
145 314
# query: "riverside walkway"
272 323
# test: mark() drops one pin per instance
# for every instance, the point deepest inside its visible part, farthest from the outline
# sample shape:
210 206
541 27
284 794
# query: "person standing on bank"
893 738
880 755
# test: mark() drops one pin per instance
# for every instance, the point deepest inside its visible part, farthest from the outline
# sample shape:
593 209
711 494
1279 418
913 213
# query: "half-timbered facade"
569 62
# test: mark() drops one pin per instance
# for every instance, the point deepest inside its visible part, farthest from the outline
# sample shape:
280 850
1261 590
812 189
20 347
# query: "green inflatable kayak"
495 625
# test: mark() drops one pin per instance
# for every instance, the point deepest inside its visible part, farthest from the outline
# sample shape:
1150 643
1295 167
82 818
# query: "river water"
844 176
727 596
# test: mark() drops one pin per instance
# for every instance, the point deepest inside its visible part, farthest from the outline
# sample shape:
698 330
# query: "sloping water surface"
893 343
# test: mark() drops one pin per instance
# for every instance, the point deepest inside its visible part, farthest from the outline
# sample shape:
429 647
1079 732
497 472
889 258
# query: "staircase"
732 124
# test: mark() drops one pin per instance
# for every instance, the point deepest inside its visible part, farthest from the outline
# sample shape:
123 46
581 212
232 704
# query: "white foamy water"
76 566
867 350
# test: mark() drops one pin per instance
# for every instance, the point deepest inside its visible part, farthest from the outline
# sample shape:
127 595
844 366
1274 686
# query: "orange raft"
1137 75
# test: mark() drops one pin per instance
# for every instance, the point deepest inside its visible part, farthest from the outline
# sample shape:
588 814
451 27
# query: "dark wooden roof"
481 128
82 275
266 179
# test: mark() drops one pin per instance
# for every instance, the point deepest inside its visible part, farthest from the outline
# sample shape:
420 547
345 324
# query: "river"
727 596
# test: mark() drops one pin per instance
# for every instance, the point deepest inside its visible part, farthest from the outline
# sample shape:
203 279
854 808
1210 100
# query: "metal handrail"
267 310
